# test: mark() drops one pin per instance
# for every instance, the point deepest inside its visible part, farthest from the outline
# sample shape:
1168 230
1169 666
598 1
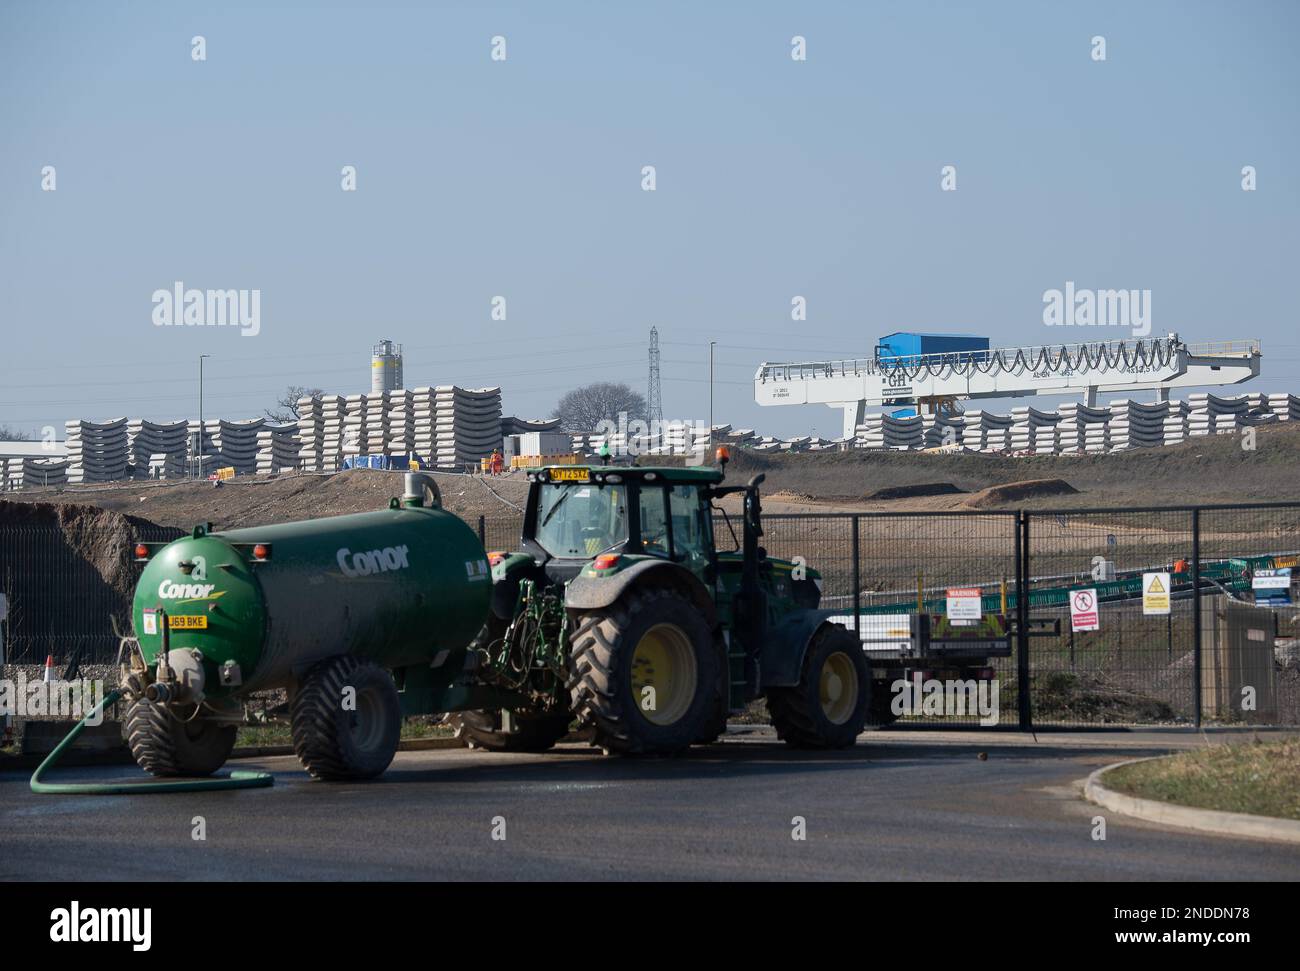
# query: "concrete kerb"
1187 817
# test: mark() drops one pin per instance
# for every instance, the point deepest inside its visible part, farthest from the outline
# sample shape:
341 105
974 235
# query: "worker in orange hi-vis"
497 462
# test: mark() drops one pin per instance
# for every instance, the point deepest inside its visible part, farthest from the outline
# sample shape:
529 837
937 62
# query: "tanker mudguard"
781 658
592 593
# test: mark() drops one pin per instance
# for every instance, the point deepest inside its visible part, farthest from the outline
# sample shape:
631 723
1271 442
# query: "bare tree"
582 409
8 433
287 410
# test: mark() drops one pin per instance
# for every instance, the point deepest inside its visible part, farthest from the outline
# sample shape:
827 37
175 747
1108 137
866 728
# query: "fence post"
857 581
482 532
1196 615
1023 703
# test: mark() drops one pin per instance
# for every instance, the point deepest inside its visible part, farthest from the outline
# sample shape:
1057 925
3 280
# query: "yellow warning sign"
1155 593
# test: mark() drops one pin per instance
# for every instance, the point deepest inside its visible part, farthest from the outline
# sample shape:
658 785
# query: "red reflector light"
141 551
495 557
261 551
605 561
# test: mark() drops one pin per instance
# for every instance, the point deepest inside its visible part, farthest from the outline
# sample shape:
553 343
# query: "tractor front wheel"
532 732
644 673
828 707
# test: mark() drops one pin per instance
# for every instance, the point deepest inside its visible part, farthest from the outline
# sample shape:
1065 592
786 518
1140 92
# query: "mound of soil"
1000 495
259 500
787 496
1091 699
912 491
66 569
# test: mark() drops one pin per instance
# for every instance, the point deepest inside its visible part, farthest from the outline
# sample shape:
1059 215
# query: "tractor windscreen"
581 520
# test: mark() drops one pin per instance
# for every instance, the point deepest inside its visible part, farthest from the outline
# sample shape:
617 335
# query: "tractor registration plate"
187 622
571 475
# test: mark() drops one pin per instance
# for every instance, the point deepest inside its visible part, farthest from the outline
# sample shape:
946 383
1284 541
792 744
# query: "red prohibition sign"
1082 600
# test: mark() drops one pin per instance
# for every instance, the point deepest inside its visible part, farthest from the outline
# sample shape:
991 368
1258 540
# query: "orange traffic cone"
49 668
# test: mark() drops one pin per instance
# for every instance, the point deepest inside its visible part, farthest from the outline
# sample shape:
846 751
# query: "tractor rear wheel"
533 732
644 673
828 707
341 735
716 725
714 728
164 744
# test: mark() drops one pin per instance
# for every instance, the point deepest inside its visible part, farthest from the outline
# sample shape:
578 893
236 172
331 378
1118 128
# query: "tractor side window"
654 521
690 527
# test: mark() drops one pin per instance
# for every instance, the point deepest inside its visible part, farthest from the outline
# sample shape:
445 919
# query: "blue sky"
522 179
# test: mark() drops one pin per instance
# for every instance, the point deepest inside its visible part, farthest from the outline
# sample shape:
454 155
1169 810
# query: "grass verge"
277 733
1257 777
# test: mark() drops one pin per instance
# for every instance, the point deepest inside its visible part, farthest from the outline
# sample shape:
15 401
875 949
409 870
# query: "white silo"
385 367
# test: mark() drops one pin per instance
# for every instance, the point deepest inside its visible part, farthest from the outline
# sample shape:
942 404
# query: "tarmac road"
898 806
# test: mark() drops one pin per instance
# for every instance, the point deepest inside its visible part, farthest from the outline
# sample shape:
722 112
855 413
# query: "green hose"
236 780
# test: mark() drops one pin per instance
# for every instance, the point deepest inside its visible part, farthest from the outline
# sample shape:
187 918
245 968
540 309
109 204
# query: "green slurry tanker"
618 610
325 608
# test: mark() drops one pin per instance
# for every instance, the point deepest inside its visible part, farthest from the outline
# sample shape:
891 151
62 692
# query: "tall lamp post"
711 346
198 461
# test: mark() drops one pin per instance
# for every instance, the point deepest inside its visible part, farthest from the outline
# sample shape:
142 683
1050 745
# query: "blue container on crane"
904 347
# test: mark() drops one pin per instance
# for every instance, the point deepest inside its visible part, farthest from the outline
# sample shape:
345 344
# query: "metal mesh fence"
500 532
1250 642
822 542
64 586
1131 666
879 566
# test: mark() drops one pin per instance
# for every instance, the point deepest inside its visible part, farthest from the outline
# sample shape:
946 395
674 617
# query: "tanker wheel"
828 707
644 673
533 732
340 734
164 744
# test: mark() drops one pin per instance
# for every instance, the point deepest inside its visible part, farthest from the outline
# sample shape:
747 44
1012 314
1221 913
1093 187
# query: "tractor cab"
597 520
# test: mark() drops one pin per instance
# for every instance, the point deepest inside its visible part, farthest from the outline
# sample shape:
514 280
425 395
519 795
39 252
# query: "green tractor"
621 610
